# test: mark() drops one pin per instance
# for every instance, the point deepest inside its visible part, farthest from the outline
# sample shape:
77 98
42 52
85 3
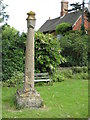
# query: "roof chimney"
49 18
89 6
64 7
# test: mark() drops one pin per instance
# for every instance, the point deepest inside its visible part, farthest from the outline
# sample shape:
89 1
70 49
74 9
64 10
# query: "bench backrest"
41 76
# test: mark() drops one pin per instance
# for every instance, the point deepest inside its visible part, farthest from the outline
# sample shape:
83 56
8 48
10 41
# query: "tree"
76 6
75 49
12 51
47 53
63 28
3 14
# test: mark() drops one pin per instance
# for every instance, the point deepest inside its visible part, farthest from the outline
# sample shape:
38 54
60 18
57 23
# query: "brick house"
74 18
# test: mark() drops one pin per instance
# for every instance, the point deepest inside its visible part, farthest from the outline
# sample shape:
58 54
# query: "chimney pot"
64 7
49 18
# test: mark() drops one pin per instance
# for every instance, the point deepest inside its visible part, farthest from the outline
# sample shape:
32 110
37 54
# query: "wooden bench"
42 77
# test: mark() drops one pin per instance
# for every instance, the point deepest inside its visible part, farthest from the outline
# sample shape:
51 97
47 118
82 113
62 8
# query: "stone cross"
28 97
29 57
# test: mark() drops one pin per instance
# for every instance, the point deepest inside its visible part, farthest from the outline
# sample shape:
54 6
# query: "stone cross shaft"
29 56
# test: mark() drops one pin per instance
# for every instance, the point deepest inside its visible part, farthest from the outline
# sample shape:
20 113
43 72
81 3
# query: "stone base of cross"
30 99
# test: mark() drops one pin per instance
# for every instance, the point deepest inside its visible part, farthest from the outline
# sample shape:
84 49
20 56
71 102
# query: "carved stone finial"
31 15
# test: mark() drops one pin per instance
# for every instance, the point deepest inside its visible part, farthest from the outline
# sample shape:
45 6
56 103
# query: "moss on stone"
31 13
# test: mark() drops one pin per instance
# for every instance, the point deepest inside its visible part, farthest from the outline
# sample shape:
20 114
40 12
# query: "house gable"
77 25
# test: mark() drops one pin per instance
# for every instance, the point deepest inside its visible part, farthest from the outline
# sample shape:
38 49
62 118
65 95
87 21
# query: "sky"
18 9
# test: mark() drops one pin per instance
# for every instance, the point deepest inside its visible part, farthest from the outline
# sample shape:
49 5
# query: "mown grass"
67 99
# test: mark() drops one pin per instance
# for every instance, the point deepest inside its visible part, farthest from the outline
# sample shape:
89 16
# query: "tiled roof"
50 25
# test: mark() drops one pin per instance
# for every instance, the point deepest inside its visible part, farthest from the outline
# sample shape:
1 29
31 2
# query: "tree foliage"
75 6
63 28
3 13
12 51
75 49
47 52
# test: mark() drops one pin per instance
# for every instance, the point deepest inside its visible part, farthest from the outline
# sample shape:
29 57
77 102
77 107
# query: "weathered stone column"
28 96
29 58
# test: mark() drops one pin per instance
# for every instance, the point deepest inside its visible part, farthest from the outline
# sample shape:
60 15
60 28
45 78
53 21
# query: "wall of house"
77 25
89 32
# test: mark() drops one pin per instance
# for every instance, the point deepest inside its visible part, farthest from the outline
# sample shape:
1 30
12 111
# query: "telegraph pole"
83 12
82 25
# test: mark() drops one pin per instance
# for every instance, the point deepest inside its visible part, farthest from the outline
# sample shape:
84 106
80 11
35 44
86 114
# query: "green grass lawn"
67 99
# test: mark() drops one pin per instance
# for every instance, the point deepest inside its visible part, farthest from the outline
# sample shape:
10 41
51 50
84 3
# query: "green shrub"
61 75
67 73
57 76
77 70
83 69
72 73
81 76
74 49
47 53
63 28
13 55
16 79
80 72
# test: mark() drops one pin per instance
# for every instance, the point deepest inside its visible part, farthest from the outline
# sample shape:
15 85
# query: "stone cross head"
31 19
